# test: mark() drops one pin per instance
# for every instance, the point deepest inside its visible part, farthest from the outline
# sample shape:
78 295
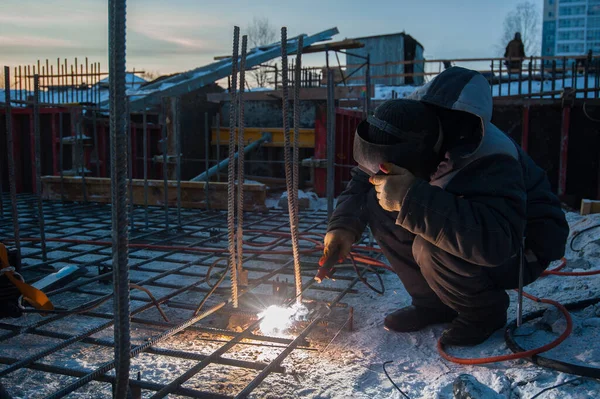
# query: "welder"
452 201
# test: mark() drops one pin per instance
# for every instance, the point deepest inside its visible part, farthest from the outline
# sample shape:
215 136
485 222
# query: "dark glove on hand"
392 187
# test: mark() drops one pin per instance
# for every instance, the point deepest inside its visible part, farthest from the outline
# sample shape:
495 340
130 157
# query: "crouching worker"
449 199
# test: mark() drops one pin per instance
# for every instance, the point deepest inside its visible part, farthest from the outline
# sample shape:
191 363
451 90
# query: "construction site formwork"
70 349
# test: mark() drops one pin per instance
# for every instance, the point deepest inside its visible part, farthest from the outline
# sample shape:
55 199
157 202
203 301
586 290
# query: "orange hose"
556 272
520 355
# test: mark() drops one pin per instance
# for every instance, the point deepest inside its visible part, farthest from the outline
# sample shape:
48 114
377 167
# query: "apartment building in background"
571 27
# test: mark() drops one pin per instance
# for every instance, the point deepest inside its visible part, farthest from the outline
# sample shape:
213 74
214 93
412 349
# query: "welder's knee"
427 257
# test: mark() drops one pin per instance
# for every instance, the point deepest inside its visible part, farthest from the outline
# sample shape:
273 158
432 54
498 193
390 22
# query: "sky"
179 35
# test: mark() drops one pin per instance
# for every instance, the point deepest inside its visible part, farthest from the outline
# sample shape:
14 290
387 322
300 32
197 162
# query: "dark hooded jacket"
483 198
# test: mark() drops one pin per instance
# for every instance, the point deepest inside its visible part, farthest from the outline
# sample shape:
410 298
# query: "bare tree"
260 33
525 18
150 75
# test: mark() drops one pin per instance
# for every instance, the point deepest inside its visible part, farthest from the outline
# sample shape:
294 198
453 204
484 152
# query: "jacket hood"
465 90
458 89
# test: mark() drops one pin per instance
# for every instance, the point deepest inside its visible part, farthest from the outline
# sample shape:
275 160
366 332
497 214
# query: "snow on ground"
351 366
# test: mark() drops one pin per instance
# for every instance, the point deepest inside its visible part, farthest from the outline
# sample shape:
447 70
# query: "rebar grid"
176 278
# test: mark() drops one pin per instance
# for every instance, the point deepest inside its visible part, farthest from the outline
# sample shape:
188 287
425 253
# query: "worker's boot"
415 318
465 332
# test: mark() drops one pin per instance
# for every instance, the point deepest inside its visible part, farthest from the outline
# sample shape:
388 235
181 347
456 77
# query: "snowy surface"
505 89
351 366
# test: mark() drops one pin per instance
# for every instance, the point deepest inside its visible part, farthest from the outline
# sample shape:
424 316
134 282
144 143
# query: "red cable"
520 355
556 272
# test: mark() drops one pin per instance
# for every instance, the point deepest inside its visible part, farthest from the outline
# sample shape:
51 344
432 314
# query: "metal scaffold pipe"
265 138
38 164
11 162
240 178
118 146
231 169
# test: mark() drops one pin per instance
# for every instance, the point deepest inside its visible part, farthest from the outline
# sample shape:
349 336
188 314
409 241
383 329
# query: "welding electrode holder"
328 268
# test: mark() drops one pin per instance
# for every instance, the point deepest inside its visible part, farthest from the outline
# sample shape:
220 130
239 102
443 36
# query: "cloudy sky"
177 35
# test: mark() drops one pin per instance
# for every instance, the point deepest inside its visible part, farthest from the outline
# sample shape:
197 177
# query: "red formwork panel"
23 145
346 121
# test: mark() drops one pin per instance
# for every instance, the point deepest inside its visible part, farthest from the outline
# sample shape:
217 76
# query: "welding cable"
520 355
404 395
556 271
575 235
559 365
364 280
537 395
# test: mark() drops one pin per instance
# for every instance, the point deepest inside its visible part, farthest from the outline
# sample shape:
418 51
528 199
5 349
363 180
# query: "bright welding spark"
277 319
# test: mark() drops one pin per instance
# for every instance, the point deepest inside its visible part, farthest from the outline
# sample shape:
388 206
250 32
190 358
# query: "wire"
519 355
578 234
392 381
364 280
537 395
588 116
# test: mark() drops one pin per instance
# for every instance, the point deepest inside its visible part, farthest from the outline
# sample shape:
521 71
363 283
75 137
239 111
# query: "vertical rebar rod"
87 74
530 76
60 157
11 162
330 144
165 166
79 141
553 78
241 158
296 173
95 133
129 132
38 163
206 160
145 145
231 169
218 136
176 110
586 76
120 244
367 83
1 179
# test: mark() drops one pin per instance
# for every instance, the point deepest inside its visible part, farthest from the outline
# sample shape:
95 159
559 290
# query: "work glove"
392 186
337 241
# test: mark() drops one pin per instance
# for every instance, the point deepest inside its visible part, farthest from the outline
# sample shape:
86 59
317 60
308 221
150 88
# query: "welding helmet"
404 132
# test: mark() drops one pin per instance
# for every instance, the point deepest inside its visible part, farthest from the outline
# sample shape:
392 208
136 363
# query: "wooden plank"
193 194
306 93
589 206
306 138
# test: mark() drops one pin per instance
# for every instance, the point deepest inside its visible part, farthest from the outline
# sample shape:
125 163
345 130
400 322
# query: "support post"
11 164
118 166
